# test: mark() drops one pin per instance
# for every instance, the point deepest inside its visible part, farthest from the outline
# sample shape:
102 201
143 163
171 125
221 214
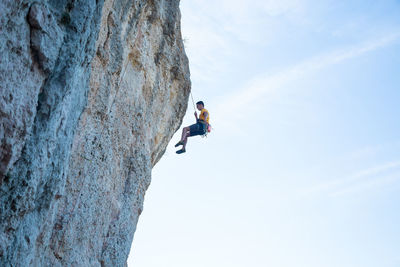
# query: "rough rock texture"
91 93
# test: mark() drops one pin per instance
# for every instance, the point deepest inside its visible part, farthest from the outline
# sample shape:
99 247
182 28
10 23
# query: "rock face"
91 93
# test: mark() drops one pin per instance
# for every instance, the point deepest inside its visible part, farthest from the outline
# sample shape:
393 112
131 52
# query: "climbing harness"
208 130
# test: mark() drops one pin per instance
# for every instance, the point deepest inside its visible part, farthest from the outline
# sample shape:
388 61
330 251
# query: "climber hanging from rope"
201 127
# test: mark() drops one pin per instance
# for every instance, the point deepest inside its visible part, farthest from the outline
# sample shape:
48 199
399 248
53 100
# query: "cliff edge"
91 93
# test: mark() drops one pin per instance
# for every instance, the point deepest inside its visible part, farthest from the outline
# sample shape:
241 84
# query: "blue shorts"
198 129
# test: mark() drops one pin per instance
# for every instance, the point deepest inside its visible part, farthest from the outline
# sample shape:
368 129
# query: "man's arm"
195 114
205 117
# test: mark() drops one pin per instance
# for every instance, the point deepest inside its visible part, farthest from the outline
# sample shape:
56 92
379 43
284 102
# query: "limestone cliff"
91 93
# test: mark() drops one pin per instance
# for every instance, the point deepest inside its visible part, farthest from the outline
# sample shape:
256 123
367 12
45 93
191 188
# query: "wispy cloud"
246 20
373 150
358 181
376 182
268 85
218 31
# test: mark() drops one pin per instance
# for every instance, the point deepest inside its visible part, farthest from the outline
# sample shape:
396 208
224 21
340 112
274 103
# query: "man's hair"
200 103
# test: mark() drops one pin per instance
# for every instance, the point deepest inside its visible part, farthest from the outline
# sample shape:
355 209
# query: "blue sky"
303 165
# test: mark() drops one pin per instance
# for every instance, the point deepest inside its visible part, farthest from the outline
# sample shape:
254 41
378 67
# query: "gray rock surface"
91 93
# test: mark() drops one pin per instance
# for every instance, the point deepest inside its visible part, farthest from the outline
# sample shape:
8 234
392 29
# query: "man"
199 128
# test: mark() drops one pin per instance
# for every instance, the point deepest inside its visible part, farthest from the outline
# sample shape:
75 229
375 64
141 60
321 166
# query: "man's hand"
195 114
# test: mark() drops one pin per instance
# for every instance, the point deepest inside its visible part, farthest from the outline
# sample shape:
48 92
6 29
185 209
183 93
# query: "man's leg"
184 133
185 139
185 130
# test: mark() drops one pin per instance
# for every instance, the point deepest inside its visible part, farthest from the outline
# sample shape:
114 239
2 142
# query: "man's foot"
181 151
180 143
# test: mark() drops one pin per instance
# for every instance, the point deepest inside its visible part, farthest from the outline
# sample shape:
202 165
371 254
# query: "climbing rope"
194 106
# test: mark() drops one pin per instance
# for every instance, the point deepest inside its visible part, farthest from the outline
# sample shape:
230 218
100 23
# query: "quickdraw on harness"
208 130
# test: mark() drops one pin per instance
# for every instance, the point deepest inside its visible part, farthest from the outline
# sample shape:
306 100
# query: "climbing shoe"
181 151
180 143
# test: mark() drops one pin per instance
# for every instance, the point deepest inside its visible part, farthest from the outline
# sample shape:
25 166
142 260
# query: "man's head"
200 105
